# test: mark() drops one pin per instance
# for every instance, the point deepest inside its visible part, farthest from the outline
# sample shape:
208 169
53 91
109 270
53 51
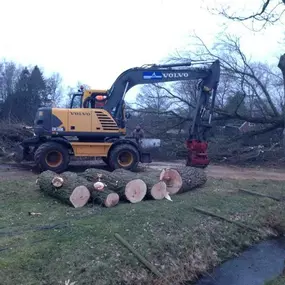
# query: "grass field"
278 281
64 243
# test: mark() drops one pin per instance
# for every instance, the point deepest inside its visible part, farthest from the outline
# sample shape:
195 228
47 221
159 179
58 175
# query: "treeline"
24 89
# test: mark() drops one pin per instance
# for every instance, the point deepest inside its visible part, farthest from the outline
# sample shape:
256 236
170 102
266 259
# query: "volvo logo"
175 75
80 113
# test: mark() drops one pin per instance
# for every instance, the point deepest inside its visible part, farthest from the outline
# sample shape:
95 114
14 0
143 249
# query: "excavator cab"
89 98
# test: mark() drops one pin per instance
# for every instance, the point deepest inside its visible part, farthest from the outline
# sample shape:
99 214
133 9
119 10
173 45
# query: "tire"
60 155
105 160
131 155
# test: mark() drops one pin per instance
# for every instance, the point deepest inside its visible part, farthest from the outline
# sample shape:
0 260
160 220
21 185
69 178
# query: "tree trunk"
190 177
107 198
281 65
128 188
73 190
156 189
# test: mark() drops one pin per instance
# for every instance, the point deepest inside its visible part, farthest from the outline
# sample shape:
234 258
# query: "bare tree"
259 83
9 74
154 99
267 12
54 90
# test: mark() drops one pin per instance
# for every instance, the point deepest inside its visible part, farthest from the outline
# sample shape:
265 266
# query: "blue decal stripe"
152 75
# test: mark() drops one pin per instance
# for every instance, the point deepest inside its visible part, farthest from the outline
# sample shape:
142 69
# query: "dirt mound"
10 136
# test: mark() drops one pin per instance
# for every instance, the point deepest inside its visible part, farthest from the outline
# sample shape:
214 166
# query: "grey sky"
94 41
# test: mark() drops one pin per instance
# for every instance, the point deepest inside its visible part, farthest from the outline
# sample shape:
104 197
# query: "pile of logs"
108 188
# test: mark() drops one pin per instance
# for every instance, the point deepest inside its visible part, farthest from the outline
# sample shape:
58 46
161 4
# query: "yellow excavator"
95 123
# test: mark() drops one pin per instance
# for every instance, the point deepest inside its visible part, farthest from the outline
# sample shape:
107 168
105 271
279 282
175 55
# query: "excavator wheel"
52 156
105 160
124 156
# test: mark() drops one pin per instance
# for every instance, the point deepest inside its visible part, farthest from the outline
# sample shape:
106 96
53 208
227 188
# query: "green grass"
277 281
79 244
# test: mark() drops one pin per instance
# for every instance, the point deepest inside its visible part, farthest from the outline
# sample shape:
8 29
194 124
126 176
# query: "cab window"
76 101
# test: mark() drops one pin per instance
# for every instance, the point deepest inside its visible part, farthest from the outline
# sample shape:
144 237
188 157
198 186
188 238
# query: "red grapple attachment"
197 154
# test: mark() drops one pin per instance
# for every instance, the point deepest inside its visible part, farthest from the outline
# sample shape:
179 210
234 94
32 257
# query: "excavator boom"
157 74
209 78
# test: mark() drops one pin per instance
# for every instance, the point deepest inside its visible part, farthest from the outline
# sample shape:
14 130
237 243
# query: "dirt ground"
234 172
13 171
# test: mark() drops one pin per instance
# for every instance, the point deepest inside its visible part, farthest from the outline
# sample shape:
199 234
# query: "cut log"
156 189
117 183
74 190
79 196
107 198
99 186
191 178
159 191
57 181
135 190
172 179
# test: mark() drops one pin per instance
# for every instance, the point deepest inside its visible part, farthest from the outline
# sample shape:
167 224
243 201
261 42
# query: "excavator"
95 123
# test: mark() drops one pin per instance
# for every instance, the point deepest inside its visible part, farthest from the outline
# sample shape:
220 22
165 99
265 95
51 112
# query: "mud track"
23 171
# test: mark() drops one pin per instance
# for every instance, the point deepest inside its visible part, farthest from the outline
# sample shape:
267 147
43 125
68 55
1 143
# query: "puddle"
255 266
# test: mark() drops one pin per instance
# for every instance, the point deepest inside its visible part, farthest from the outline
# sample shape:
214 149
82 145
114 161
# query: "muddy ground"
22 171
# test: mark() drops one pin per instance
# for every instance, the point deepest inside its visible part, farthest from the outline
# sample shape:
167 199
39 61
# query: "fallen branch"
259 194
139 256
226 219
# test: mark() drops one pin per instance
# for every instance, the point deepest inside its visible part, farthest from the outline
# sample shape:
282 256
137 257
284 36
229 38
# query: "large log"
66 187
191 177
124 186
153 173
156 189
178 180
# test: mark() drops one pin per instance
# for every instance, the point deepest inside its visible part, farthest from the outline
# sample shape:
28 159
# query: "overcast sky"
94 41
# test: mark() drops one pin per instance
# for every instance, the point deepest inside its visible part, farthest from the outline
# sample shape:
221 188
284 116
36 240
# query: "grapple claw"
197 154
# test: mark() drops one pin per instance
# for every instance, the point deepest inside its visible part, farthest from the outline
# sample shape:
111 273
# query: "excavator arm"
158 74
209 78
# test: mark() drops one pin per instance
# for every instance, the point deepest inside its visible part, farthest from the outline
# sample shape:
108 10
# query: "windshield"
76 101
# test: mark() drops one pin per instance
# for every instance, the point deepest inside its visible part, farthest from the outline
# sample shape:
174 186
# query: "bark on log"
74 190
128 190
107 198
171 178
191 177
156 189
